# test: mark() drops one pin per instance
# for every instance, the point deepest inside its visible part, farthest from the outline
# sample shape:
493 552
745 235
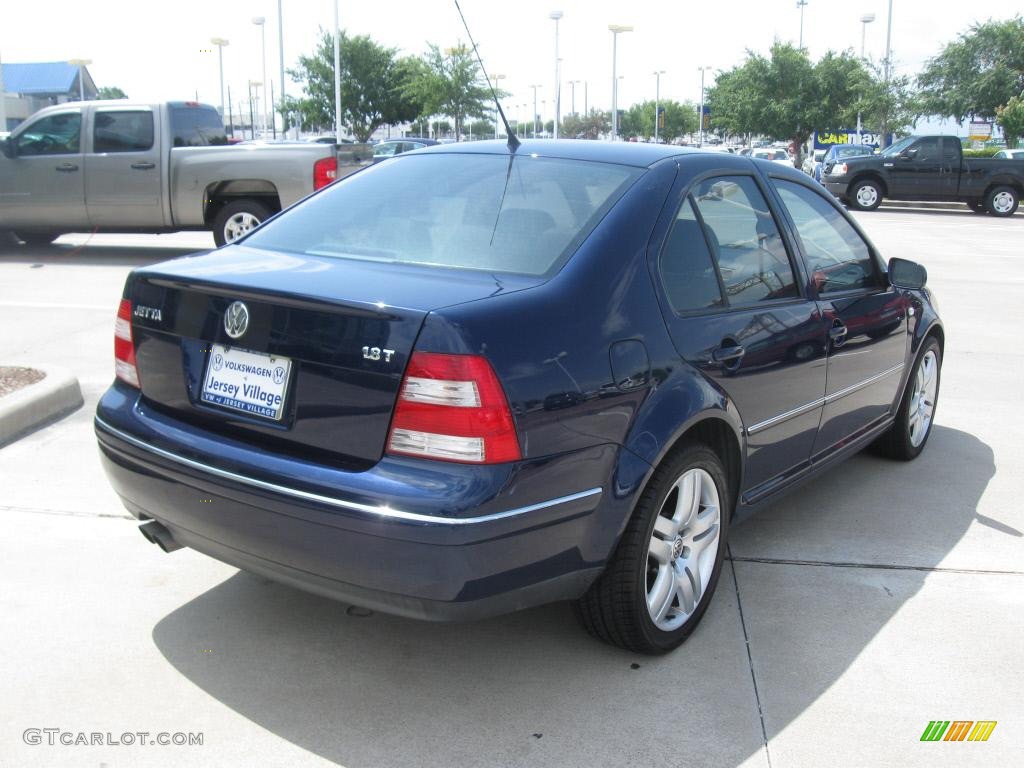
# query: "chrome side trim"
860 385
341 503
827 400
763 425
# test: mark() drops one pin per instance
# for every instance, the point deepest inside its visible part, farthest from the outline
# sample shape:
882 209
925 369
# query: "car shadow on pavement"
533 688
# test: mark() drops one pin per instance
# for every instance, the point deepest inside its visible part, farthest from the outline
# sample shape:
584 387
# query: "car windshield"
899 146
853 151
519 214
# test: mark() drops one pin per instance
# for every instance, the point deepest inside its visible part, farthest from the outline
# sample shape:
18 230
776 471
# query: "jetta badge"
236 320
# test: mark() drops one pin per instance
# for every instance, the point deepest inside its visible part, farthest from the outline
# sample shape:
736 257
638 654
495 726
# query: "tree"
785 96
111 92
677 119
977 73
1011 119
483 129
589 126
885 108
449 83
373 84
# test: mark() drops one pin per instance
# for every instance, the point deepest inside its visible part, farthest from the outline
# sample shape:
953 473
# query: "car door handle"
143 166
728 354
67 167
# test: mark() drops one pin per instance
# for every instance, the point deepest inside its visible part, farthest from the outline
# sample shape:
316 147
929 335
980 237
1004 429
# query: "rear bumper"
407 537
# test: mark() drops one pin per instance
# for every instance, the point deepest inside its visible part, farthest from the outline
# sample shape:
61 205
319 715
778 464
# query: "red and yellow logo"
958 730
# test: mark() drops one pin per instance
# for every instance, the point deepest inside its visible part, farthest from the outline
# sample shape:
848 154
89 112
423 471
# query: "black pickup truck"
928 168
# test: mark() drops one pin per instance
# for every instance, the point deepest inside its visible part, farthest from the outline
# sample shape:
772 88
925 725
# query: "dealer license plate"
251 382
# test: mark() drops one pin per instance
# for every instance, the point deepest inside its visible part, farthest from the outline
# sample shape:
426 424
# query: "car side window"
950 149
838 258
123 131
927 150
744 240
52 135
687 271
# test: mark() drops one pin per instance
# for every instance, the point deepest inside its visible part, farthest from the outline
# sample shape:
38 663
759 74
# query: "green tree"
450 84
1011 119
677 119
785 96
589 126
111 92
373 87
885 108
977 73
483 129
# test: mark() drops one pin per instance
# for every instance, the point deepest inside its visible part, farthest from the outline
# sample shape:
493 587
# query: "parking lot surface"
876 599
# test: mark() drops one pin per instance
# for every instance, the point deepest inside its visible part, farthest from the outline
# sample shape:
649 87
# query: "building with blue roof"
27 88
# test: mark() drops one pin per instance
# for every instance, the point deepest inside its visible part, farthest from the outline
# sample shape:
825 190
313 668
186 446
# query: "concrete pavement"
880 597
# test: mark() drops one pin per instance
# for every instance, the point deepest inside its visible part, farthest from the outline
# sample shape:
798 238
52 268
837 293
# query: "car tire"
37 238
908 435
237 219
666 550
1002 201
865 195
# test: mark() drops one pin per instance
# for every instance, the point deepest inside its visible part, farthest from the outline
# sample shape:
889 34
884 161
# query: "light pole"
496 78
801 4
260 22
657 100
220 42
555 16
254 100
81 64
535 87
883 139
866 19
573 84
337 76
543 111
700 117
616 29
280 49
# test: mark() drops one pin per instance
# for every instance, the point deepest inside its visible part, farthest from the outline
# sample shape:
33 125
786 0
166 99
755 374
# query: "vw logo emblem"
236 320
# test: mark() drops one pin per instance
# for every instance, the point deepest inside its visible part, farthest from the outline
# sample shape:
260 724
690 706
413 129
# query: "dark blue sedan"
473 379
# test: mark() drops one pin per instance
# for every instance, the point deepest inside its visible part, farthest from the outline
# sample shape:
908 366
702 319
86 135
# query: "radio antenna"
513 140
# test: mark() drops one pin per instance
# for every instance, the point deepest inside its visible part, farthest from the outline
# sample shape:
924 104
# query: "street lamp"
496 78
616 29
866 19
81 64
254 109
555 16
573 84
543 111
801 4
888 74
657 99
535 87
701 116
280 49
220 42
260 22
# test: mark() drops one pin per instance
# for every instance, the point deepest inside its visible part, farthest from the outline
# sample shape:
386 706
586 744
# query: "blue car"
836 154
476 378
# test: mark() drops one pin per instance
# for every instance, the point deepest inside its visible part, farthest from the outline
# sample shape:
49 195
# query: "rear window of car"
196 127
521 214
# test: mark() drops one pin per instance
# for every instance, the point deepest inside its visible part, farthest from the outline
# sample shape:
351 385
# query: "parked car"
773 154
392 147
929 168
118 166
837 154
472 379
1009 154
812 161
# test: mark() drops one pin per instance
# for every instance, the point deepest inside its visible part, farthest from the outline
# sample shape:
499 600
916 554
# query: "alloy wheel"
240 224
922 401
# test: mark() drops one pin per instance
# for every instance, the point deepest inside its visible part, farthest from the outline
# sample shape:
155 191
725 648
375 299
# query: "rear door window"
687 271
127 131
196 127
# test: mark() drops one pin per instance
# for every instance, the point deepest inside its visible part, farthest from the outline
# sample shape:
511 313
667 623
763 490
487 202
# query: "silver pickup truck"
117 166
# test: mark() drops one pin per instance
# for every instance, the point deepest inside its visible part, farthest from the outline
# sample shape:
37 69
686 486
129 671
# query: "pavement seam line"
750 658
875 566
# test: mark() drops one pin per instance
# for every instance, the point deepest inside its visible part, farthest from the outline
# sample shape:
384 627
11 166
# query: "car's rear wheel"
866 195
1002 201
238 219
660 580
907 437
37 238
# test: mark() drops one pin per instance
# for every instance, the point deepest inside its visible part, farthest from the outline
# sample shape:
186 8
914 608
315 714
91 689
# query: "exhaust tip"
156 533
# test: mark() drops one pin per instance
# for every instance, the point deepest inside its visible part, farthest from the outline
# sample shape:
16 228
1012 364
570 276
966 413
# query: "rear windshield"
519 214
196 127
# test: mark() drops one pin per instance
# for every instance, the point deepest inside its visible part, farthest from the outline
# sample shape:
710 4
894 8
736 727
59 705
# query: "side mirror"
8 148
908 154
907 274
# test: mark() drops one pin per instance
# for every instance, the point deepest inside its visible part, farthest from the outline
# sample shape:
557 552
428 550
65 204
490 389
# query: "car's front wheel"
659 582
866 195
907 436
238 219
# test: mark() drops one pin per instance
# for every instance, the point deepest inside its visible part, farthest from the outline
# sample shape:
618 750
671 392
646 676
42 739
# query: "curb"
931 205
38 404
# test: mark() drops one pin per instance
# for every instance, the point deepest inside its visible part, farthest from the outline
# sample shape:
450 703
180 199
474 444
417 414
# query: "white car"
773 154
1009 154
812 161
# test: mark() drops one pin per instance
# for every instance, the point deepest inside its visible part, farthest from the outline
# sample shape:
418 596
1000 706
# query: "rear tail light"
452 408
124 346
325 171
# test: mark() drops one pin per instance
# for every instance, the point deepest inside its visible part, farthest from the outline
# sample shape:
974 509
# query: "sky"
162 51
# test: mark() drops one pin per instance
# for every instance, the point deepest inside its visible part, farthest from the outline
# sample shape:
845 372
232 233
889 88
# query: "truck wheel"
866 195
237 219
37 238
1002 201
658 583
